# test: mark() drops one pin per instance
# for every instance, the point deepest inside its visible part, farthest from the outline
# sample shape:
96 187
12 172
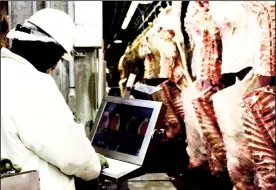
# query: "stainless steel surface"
21 181
86 85
72 90
40 5
34 6
70 10
47 4
61 72
10 19
101 77
18 11
129 85
156 118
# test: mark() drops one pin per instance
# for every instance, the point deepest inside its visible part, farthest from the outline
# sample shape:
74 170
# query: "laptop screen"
122 128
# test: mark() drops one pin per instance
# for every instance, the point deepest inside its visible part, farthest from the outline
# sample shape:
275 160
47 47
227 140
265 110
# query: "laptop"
122 131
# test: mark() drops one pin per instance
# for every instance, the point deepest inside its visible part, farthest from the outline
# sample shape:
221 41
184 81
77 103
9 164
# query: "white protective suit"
38 131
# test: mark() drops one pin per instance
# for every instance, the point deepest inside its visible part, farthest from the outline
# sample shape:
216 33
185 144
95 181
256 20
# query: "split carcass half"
196 148
259 128
205 38
238 31
264 12
170 95
204 110
227 106
150 53
172 62
200 119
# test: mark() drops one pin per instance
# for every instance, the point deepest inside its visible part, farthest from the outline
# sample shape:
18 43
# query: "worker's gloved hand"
104 163
7 166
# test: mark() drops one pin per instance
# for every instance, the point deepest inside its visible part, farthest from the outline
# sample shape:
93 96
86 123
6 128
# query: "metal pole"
10 19
101 77
153 10
72 90
34 6
47 4
70 11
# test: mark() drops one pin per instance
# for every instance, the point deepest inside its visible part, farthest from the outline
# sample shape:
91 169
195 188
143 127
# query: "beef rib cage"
259 128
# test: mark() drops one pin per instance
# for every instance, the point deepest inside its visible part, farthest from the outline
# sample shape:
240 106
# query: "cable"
121 15
145 11
149 15
114 14
143 18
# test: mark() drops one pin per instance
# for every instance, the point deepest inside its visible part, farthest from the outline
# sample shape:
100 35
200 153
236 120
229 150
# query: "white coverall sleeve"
51 132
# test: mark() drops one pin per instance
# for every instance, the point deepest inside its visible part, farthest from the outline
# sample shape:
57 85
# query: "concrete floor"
157 181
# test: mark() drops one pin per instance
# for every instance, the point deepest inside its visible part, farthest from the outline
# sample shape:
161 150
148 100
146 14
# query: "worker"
38 131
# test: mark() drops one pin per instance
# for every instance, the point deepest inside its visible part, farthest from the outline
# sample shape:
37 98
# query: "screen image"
122 128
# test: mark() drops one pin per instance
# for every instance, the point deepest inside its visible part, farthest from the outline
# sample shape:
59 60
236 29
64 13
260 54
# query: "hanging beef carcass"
227 106
238 36
165 64
205 38
205 143
211 133
149 52
191 23
171 65
209 69
196 148
179 38
151 61
259 106
259 128
162 36
157 44
238 31
170 95
131 62
265 16
200 119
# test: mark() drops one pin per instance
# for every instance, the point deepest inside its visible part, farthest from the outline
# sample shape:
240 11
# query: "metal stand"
106 184
129 85
110 183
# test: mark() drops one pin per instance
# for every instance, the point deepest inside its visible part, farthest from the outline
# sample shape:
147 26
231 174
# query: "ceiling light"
144 2
130 13
117 41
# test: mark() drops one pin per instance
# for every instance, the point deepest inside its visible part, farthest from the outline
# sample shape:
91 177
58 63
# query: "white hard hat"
58 25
